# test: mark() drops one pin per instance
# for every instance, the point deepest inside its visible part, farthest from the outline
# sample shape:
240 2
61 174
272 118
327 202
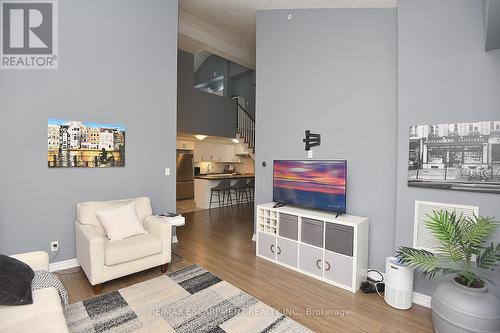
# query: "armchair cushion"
131 248
86 211
15 281
37 260
121 223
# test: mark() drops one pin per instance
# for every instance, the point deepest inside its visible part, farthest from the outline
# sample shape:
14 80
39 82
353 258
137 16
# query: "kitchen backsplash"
246 166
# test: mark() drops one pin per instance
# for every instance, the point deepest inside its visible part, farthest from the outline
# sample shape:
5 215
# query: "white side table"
176 221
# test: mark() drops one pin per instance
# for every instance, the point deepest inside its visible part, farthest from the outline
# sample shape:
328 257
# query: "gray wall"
117 65
206 71
491 10
199 112
235 69
332 71
444 76
243 84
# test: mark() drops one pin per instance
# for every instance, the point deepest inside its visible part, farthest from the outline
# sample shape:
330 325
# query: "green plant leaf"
446 227
478 229
489 258
460 238
419 259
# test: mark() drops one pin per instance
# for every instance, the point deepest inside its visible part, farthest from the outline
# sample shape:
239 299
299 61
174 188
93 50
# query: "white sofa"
103 260
46 312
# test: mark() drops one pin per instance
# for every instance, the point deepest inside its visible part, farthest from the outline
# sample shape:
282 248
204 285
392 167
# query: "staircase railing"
245 126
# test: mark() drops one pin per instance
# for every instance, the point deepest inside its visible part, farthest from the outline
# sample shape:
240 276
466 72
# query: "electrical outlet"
54 246
310 154
167 171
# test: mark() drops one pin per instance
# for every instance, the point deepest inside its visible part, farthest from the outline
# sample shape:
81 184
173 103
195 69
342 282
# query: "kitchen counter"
224 176
204 183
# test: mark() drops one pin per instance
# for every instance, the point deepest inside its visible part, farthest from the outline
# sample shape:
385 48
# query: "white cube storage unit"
316 243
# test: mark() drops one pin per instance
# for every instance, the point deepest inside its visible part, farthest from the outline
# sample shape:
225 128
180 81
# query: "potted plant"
463 304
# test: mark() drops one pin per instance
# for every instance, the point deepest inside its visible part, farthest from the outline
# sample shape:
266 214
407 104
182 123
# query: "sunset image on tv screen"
311 184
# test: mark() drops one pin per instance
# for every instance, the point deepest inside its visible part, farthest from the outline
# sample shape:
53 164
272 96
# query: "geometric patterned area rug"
188 300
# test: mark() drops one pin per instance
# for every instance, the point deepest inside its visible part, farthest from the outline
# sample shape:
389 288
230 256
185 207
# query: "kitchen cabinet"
239 149
214 152
229 153
185 145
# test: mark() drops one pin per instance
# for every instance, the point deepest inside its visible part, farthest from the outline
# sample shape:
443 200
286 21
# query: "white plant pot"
459 309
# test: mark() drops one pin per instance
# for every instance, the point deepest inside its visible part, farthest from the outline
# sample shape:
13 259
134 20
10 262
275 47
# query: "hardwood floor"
220 241
186 206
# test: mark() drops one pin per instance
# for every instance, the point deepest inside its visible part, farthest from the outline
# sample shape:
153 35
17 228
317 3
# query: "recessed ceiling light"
200 136
235 140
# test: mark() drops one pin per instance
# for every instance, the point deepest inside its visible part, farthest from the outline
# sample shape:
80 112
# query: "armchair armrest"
90 251
163 230
38 260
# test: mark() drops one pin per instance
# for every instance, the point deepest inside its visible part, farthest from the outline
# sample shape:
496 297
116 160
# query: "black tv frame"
310 160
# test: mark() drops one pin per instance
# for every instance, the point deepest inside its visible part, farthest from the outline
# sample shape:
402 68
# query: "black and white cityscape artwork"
460 156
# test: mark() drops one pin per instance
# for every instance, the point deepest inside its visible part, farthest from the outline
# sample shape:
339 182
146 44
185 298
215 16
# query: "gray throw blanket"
44 279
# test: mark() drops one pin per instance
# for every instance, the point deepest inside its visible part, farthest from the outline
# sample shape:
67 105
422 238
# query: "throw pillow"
121 223
15 281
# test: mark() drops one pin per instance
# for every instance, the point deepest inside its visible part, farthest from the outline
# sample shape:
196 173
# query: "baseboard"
174 239
254 238
65 264
422 299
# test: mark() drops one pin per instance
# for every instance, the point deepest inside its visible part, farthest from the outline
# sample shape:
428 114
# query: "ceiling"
227 27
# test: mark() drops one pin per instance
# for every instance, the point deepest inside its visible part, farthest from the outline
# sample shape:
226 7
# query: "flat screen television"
311 184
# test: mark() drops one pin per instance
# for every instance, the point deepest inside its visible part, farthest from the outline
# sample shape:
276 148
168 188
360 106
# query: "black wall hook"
312 140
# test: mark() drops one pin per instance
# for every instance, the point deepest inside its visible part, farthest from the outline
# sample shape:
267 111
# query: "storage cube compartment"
312 232
311 259
339 238
289 226
338 268
286 251
267 245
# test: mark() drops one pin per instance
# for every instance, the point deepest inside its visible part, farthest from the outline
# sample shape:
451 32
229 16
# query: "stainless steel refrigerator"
185 176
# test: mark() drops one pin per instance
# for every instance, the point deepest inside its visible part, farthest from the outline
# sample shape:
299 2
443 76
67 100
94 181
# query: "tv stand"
324 245
278 205
337 215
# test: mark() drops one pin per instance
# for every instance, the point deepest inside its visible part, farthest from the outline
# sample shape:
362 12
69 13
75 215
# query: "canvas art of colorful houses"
85 144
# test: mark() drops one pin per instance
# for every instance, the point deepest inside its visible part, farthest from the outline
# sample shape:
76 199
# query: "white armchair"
103 260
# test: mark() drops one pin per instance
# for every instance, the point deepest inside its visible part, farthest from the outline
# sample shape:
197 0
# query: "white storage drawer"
286 251
267 245
311 259
338 268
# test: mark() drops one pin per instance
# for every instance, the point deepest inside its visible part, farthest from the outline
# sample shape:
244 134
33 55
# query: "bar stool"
221 189
250 187
240 189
